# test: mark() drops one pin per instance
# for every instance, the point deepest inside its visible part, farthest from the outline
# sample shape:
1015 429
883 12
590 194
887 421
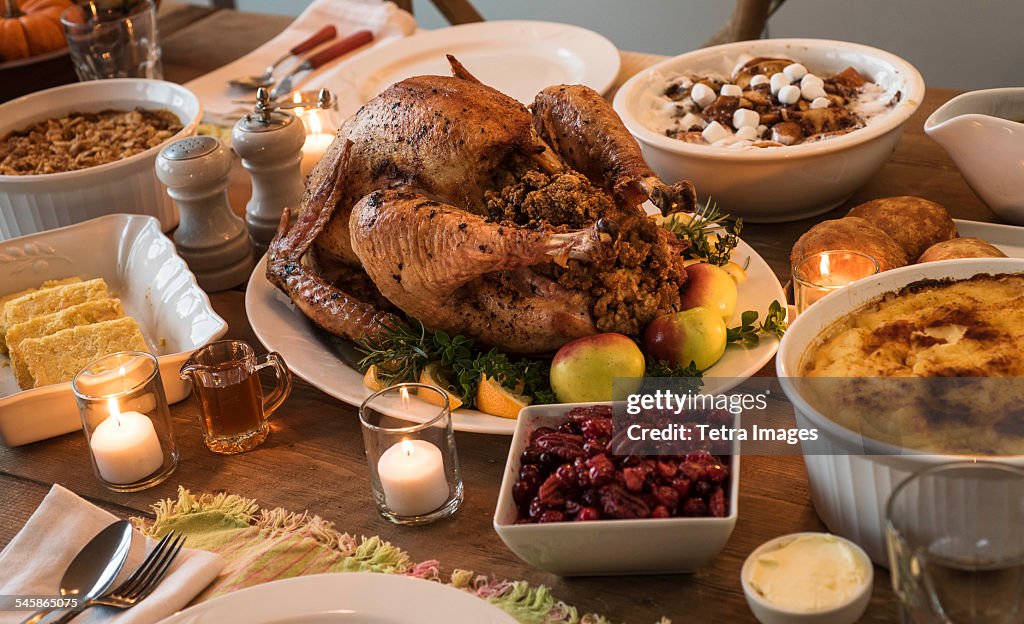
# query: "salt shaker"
270 140
210 237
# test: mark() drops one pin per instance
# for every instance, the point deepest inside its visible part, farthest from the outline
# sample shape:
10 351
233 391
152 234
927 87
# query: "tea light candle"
319 135
125 447
412 477
829 271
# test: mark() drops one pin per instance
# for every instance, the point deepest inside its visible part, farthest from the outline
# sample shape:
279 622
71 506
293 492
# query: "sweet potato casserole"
935 366
81 140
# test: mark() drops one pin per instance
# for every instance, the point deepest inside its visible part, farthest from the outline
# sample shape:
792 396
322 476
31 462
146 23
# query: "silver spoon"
95 567
267 77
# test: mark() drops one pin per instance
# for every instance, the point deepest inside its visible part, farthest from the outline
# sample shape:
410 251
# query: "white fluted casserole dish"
852 476
34 203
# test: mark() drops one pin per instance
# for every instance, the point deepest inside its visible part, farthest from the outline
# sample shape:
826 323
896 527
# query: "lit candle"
829 271
412 477
126 447
319 135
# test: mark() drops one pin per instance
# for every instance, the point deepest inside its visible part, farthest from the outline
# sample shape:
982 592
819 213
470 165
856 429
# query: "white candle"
313 150
412 477
126 447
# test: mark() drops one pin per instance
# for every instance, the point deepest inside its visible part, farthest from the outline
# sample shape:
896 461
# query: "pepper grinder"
210 237
270 140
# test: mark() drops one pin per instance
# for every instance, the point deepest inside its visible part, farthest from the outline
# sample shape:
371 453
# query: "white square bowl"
141 267
607 547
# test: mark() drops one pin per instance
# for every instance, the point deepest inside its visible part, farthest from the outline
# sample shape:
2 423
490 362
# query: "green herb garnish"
749 332
697 230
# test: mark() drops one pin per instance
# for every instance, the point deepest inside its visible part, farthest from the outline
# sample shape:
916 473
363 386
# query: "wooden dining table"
314 457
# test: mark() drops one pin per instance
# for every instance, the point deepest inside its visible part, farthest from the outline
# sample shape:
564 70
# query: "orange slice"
497 400
434 375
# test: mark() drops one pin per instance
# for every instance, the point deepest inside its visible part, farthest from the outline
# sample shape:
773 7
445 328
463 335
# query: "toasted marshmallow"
812 91
731 90
745 118
702 95
690 120
809 78
714 132
821 102
748 133
796 71
777 81
789 94
759 79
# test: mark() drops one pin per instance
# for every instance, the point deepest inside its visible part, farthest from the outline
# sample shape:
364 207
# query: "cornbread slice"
21 293
43 302
58 357
81 314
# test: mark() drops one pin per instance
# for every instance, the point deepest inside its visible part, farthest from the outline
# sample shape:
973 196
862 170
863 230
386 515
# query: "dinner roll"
913 222
960 248
853 234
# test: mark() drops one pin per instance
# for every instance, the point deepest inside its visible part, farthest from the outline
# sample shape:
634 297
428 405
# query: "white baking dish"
850 489
34 203
607 547
141 267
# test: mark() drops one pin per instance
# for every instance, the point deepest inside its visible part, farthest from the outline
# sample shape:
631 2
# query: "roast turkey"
446 201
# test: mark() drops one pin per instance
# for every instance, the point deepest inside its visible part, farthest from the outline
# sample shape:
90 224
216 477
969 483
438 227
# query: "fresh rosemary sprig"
749 332
698 230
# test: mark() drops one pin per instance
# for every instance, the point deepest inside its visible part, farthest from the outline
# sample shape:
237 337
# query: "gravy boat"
983 134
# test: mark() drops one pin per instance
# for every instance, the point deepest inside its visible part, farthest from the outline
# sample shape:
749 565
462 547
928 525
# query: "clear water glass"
955 535
113 41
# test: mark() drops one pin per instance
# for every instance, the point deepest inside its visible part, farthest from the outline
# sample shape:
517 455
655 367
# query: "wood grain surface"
314 458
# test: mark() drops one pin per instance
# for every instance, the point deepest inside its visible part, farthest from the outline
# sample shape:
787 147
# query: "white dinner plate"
346 598
518 58
318 360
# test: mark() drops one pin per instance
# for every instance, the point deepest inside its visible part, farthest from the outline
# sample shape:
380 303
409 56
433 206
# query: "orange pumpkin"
31 27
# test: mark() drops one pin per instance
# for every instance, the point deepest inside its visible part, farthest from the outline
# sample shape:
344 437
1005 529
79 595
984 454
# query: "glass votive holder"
113 40
828 271
414 468
126 421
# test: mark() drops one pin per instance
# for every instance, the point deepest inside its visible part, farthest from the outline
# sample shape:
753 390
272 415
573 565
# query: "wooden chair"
455 11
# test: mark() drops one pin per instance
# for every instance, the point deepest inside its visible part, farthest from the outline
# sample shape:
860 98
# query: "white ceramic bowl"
141 267
848 487
975 127
33 203
768 613
783 183
607 547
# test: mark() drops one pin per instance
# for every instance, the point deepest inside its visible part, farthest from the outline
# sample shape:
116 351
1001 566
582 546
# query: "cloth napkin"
385 20
34 562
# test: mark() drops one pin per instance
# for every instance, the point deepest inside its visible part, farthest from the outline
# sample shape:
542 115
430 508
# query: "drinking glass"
828 271
126 420
955 535
118 40
232 409
414 468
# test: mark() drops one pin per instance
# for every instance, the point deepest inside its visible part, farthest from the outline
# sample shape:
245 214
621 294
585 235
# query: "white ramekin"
33 203
784 183
848 487
769 613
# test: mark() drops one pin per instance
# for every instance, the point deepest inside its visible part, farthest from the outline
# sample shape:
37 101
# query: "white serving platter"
309 354
142 268
518 58
346 598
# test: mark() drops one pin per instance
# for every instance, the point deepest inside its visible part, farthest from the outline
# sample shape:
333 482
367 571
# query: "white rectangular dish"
643 546
141 267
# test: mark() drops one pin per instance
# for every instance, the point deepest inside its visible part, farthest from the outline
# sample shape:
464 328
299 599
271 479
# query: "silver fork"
142 581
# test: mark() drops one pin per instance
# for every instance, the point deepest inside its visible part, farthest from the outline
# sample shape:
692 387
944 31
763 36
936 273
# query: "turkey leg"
583 128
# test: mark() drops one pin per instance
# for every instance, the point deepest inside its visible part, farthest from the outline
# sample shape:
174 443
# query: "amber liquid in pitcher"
232 410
